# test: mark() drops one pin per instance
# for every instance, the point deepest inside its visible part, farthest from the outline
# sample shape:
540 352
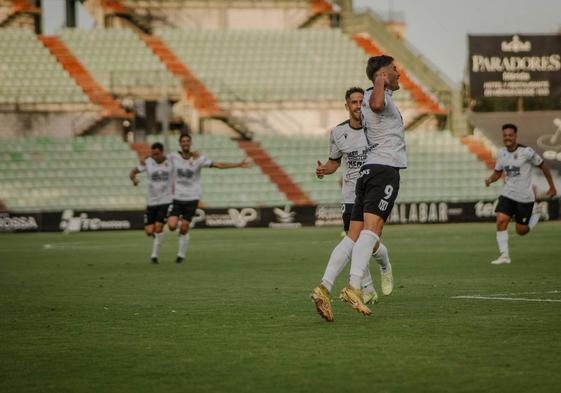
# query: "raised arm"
496 175
246 163
327 169
377 99
547 173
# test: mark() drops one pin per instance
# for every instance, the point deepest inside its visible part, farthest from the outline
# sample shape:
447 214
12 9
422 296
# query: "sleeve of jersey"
334 153
498 163
141 167
206 162
535 158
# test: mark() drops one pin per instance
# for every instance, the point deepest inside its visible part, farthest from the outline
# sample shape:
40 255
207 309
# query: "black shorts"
346 210
376 191
156 213
520 210
183 209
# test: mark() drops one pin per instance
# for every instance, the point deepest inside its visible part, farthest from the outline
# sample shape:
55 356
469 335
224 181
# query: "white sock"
158 237
502 241
366 285
361 255
381 256
183 241
534 219
340 256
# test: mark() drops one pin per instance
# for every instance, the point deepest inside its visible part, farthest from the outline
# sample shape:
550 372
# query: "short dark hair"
511 126
351 91
375 63
184 136
158 146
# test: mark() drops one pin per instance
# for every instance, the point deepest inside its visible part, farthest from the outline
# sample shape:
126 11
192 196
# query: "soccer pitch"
88 313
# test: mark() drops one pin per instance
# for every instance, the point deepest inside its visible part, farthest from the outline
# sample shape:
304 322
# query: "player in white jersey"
378 183
159 172
347 142
187 188
517 198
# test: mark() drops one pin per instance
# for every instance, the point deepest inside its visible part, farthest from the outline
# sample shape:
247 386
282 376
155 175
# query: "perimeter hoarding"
286 217
514 66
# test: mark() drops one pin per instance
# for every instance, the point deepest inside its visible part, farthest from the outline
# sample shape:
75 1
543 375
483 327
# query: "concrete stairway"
279 177
97 94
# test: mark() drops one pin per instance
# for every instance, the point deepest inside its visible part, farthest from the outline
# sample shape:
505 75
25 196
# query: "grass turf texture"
89 313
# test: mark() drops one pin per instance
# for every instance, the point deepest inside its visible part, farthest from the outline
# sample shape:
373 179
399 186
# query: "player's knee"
172 224
149 230
522 229
184 228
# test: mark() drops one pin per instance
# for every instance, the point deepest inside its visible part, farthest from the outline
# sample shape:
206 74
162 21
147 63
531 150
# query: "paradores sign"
515 66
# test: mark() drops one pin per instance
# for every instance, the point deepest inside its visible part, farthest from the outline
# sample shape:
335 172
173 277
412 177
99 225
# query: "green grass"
90 314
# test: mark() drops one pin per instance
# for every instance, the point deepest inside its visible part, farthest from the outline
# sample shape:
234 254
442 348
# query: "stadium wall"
287 118
55 124
272 217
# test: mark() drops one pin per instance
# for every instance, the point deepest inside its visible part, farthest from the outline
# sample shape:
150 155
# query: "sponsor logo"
512 170
70 223
329 215
420 213
285 218
516 45
233 218
551 143
485 209
383 205
521 68
17 223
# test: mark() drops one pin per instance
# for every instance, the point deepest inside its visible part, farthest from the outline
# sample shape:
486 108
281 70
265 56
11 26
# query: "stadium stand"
91 172
48 174
31 78
440 168
292 65
120 61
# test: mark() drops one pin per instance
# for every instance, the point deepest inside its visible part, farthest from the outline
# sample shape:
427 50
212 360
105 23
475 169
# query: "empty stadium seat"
31 75
117 58
80 173
272 65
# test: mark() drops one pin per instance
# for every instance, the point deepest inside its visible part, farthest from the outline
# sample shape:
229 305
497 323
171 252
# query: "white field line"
520 293
512 299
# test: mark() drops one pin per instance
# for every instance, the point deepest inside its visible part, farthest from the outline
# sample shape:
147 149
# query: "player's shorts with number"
376 191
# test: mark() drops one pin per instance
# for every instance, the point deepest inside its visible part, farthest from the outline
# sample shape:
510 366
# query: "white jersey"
385 132
350 144
518 169
160 181
187 176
